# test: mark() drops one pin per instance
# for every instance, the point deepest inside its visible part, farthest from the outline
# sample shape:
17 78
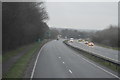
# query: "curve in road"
56 60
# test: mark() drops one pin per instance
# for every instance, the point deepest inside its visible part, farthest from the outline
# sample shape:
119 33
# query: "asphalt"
56 60
105 52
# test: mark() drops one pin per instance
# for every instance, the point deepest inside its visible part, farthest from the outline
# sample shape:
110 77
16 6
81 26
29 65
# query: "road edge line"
100 68
33 70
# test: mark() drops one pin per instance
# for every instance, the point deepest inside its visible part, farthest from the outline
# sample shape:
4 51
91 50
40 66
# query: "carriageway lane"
109 53
56 60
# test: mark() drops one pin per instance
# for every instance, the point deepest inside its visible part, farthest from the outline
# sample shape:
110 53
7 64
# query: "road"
109 53
56 60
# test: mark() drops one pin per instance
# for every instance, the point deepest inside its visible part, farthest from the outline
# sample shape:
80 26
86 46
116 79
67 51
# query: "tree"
108 36
22 23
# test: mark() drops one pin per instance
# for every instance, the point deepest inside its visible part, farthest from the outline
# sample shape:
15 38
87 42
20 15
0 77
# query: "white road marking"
101 68
63 62
32 74
70 71
98 54
59 57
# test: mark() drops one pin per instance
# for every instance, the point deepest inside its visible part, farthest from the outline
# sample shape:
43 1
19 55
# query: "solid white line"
32 74
101 68
70 71
97 54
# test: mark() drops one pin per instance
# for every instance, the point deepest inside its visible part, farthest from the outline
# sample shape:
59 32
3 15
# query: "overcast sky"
82 15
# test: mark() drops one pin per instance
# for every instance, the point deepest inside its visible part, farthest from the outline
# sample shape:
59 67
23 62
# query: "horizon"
82 15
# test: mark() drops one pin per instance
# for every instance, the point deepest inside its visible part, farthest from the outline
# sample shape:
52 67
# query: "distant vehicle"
90 44
57 39
71 39
86 42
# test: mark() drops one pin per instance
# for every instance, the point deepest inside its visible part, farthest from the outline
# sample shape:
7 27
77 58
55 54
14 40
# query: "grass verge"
12 53
100 61
19 67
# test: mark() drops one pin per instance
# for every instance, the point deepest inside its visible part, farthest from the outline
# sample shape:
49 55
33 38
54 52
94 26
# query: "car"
90 44
86 42
57 39
71 40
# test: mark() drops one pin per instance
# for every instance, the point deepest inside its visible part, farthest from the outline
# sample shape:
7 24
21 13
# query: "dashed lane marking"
59 57
70 71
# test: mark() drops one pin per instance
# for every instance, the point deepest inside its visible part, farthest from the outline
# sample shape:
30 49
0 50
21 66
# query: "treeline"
22 23
71 33
54 33
108 36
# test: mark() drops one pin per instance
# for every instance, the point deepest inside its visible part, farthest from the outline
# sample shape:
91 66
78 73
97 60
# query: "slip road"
56 60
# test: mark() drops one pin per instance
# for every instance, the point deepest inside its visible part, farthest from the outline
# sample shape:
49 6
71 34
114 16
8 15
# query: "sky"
82 15
79 14
60 0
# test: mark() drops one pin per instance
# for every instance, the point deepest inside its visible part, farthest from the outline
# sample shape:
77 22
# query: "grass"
12 53
20 66
107 64
0 59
